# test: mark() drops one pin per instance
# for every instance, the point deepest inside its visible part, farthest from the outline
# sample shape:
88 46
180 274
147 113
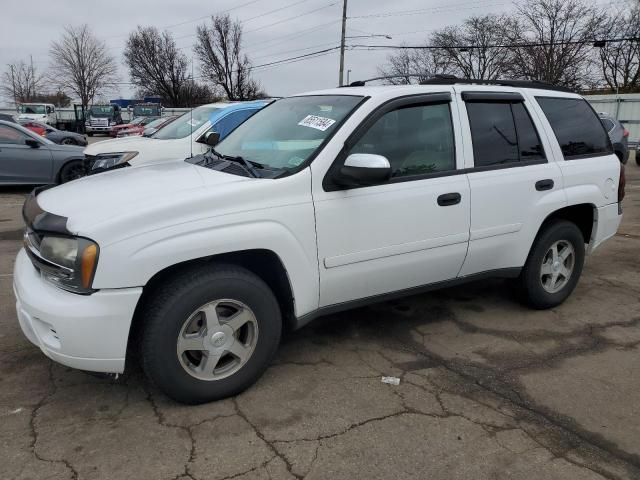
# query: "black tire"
174 302
68 141
529 285
71 170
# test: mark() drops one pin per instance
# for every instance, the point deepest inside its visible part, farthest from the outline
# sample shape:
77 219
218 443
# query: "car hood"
117 145
31 116
132 192
74 150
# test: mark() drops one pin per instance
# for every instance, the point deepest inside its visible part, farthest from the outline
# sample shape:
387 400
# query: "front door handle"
447 199
544 185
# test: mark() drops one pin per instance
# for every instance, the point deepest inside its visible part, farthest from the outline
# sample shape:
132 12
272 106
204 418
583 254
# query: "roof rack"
452 80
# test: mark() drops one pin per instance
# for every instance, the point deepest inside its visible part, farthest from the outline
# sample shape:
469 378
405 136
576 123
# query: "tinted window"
11 135
493 132
227 124
502 133
528 139
576 126
415 140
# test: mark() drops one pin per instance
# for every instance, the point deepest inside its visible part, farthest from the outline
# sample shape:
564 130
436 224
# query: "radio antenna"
191 112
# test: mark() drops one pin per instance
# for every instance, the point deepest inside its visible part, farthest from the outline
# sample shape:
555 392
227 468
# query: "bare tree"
80 63
157 66
22 82
219 49
555 40
413 66
620 61
470 49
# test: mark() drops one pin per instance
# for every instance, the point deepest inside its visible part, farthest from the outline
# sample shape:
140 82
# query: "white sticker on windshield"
319 123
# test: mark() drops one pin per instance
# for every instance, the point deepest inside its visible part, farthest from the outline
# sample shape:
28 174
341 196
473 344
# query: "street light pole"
342 40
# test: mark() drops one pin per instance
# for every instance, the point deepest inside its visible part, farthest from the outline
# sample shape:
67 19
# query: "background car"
149 129
184 137
35 127
7 118
138 121
618 134
28 159
61 137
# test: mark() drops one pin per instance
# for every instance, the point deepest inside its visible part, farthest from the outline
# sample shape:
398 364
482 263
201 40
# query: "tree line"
564 42
82 65
572 43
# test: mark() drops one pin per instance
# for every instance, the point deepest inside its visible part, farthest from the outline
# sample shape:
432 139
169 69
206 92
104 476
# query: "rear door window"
576 126
502 133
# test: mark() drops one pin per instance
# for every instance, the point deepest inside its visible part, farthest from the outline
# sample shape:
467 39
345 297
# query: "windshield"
285 134
186 124
156 123
101 111
150 111
37 109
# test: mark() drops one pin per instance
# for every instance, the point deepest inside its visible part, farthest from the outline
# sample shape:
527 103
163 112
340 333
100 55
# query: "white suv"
317 203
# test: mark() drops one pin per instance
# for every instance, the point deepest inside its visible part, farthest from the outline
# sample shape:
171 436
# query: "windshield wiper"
249 166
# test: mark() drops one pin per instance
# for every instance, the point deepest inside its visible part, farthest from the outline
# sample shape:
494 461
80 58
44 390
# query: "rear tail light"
621 184
625 133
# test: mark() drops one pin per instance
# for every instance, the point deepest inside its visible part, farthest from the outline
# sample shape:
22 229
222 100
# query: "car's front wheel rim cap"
217 339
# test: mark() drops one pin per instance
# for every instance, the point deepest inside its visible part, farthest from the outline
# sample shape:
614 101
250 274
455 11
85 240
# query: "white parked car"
182 138
40 112
318 203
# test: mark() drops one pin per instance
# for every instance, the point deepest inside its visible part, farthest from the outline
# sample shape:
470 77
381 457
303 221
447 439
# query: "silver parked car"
27 158
618 134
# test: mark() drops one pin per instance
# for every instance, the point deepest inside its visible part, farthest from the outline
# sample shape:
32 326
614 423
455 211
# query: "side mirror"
362 169
32 143
212 138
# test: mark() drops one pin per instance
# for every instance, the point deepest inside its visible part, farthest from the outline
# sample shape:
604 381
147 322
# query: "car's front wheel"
210 333
68 141
554 265
71 170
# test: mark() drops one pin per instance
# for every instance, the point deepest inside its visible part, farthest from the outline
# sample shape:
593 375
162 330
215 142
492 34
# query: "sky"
273 30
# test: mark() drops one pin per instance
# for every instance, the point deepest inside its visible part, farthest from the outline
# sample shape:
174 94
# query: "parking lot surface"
488 390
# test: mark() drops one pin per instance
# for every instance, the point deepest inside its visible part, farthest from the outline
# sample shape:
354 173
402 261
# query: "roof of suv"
399 90
439 83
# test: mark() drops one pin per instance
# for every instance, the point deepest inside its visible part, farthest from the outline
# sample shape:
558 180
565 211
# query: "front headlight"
69 263
105 161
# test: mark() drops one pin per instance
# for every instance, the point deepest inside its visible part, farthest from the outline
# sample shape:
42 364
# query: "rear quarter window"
576 126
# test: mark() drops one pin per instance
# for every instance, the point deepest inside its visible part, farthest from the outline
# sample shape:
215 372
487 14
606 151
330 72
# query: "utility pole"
344 31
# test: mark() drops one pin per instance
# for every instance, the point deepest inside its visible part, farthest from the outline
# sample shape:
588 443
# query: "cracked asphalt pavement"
488 390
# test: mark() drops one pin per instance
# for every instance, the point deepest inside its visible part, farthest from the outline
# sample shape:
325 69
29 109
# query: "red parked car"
35 127
138 121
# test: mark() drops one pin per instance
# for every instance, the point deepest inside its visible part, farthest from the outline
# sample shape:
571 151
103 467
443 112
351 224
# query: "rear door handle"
544 185
447 199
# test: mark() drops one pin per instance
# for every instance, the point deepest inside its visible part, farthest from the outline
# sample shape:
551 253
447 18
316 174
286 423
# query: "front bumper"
88 332
96 129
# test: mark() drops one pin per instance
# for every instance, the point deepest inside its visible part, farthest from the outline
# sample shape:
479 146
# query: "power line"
504 45
292 18
456 6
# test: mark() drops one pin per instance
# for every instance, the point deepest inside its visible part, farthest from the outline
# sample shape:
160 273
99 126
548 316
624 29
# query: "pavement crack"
261 436
34 431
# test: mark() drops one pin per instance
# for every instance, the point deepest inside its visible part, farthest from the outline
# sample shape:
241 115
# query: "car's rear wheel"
210 333
68 141
71 170
554 265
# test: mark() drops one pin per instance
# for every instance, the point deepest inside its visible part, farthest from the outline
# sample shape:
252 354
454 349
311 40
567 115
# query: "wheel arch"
584 215
266 264
64 163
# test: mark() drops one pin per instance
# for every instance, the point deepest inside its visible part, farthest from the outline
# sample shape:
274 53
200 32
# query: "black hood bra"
38 220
